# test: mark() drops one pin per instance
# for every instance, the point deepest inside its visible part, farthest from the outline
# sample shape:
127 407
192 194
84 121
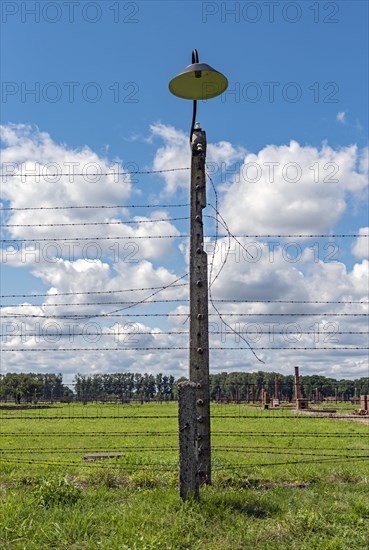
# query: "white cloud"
272 283
28 151
360 248
341 117
276 302
176 153
293 189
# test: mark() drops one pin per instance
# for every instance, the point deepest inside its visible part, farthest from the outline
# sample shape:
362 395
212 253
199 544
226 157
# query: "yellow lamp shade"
198 81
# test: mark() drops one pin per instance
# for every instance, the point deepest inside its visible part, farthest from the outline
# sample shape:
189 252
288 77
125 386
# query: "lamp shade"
198 81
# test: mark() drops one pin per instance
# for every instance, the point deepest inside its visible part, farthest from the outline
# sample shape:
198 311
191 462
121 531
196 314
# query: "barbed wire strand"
185 348
298 418
83 224
88 292
222 266
171 333
140 237
175 433
94 207
82 304
211 281
91 175
223 300
108 314
103 315
161 467
120 466
288 463
120 452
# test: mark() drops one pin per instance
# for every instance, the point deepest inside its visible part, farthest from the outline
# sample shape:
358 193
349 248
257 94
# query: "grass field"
280 480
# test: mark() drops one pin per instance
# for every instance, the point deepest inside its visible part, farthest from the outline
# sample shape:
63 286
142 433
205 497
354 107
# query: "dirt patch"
361 419
335 416
101 456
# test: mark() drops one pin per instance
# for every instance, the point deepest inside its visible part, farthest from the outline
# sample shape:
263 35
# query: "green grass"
319 517
277 483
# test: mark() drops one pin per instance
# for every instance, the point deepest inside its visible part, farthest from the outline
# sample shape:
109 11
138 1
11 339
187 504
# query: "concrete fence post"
187 421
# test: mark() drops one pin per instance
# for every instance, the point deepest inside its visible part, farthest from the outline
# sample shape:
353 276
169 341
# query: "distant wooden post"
187 420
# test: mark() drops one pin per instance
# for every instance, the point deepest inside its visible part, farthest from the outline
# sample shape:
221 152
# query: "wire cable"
92 207
91 175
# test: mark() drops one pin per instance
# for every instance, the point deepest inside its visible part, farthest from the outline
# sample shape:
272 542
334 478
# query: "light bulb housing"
198 81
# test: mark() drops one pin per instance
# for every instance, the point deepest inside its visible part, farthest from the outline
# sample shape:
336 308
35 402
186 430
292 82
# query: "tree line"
31 387
126 386
242 386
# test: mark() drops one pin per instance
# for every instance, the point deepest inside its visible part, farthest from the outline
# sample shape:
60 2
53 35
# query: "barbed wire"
90 434
92 175
301 235
95 207
140 237
178 348
279 450
285 417
173 333
229 301
298 418
112 315
294 452
82 304
175 433
82 224
75 450
85 417
211 281
124 450
236 301
174 300
88 292
165 467
288 463
291 434
108 314
121 466
222 300
253 448
91 239
150 296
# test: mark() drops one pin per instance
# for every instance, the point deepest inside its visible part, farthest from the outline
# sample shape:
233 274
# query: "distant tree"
159 386
149 387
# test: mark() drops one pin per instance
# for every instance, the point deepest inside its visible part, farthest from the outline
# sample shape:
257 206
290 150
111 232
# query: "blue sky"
297 73
153 49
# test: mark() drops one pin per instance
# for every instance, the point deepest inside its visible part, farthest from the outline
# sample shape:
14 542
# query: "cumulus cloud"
176 153
283 301
360 248
277 293
293 189
29 152
341 117
39 172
